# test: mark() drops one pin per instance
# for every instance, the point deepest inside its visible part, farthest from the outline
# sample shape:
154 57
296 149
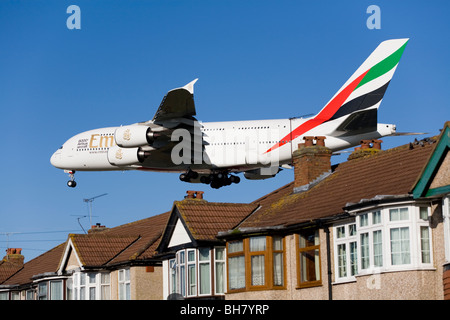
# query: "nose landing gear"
71 183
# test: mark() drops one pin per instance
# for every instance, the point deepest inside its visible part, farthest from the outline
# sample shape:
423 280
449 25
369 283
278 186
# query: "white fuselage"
232 145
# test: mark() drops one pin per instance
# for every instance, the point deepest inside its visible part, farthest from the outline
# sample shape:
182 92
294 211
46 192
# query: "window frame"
299 250
347 239
248 254
223 266
403 216
124 283
186 283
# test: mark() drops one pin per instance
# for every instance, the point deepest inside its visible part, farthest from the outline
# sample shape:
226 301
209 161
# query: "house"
105 264
31 280
360 230
433 185
374 227
194 263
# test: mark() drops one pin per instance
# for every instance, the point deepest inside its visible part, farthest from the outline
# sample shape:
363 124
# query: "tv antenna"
80 216
89 202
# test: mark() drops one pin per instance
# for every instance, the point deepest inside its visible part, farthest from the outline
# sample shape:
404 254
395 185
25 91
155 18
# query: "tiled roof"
132 241
390 172
99 249
7 269
45 263
205 219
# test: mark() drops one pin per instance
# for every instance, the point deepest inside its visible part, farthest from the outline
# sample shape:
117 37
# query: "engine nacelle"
261 173
134 136
118 156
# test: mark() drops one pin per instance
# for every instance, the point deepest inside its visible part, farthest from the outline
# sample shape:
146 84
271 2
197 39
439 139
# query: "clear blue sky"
254 60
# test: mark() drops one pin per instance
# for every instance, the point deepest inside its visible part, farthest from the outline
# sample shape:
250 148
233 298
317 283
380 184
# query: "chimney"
367 148
191 194
14 256
98 227
310 161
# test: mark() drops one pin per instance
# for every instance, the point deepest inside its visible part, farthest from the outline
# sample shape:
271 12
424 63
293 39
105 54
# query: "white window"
42 291
191 272
15 295
56 290
204 271
105 286
82 286
220 270
92 286
346 265
29 295
172 276
124 284
387 239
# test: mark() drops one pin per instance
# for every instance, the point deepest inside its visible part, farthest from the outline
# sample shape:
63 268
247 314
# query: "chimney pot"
199 194
14 256
376 144
308 141
320 141
365 144
190 194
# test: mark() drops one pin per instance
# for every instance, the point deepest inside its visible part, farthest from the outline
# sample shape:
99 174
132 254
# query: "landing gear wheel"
71 184
186 177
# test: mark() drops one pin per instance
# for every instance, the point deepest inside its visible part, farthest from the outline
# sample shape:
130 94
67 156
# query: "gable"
442 177
72 261
179 235
69 259
435 178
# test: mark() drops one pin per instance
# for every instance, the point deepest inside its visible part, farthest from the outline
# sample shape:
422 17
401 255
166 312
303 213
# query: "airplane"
215 152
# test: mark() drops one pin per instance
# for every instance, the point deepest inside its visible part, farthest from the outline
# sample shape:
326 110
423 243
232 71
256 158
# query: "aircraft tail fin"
366 87
356 102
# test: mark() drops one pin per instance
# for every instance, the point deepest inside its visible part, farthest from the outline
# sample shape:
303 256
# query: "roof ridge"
125 248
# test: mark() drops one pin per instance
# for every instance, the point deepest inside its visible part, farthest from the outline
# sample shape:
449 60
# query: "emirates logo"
119 154
127 135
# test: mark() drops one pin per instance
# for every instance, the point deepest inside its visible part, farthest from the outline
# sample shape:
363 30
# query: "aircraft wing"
177 103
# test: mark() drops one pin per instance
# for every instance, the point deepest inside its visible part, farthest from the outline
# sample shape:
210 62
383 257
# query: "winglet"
190 86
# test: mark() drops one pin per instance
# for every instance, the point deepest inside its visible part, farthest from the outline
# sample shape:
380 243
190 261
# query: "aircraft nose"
55 159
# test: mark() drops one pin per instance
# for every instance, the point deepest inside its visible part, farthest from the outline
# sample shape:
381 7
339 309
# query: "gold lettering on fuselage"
92 141
109 141
105 141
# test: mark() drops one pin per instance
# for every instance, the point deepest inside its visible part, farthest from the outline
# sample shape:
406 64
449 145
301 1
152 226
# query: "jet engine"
118 156
134 136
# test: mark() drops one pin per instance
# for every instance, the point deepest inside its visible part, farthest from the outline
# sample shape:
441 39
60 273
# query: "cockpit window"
60 147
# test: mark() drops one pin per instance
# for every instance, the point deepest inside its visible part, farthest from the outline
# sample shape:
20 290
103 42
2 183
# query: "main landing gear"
215 180
71 183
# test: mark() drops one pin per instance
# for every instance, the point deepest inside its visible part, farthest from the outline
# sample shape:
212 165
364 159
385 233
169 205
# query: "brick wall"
310 162
446 280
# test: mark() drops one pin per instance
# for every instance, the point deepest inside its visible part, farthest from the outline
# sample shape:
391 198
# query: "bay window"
91 286
388 239
192 274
